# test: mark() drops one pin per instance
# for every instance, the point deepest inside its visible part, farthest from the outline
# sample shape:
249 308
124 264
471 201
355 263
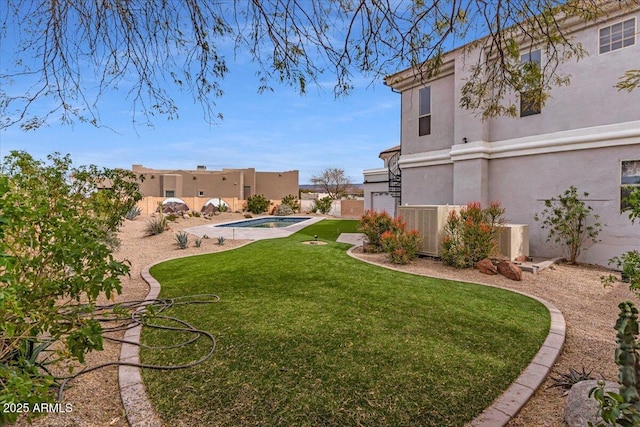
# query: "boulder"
580 408
485 266
510 270
522 258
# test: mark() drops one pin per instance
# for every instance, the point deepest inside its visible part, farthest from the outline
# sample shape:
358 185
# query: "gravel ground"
590 311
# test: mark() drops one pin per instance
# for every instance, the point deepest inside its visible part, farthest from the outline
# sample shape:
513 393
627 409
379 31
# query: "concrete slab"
355 239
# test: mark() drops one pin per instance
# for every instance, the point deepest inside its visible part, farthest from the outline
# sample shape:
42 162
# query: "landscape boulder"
581 409
510 270
485 266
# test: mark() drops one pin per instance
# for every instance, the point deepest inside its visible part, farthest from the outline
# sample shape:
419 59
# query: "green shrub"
182 239
155 226
323 205
372 225
283 210
257 204
56 233
291 201
401 245
567 220
471 234
223 208
171 217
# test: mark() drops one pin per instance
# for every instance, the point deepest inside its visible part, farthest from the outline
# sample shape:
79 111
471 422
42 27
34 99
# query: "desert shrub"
322 205
221 240
372 225
196 214
171 217
291 201
182 239
283 210
55 228
133 213
257 204
569 224
198 242
223 208
155 226
471 234
401 245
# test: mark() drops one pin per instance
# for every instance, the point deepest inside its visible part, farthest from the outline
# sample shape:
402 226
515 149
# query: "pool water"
270 222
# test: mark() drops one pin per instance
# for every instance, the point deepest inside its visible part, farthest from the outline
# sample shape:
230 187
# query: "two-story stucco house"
586 135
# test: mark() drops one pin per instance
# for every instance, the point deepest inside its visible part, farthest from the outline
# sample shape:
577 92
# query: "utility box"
514 241
429 221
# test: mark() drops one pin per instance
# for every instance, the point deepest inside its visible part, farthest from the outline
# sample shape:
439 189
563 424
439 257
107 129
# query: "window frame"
200 193
166 193
530 108
625 187
622 40
424 117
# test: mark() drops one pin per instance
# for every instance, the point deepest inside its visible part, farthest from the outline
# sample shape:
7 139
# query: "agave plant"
182 239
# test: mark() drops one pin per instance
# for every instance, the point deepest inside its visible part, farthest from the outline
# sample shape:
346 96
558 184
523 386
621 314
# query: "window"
618 35
530 99
169 193
629 179
200 193
424 118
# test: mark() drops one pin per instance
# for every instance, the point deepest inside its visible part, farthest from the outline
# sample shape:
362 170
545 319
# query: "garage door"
383 201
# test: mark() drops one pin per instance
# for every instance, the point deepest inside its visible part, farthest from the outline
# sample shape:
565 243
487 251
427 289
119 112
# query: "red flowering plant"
400 244
472 234
373 225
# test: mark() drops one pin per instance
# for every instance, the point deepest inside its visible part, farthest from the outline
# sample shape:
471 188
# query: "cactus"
221 240
623 408
627 357
198 242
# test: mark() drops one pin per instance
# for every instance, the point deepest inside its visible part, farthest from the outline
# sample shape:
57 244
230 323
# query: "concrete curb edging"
509 403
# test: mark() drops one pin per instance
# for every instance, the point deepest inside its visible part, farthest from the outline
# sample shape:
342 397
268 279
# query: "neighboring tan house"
586 135
231 183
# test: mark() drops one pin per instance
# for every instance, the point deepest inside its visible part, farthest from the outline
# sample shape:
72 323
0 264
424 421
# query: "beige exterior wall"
231 183
351 209
584 132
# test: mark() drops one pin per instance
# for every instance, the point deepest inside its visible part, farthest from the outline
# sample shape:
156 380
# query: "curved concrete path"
141 413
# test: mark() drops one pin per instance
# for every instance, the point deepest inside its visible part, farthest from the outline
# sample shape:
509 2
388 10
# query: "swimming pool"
266 222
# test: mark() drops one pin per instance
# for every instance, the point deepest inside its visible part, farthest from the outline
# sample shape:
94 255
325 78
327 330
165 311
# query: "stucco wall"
431 185
590 100
523 183
276 185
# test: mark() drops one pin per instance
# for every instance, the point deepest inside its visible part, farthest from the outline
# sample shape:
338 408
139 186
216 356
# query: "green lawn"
308 336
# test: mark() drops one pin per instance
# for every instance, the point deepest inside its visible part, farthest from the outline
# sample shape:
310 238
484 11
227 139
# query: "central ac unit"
429 221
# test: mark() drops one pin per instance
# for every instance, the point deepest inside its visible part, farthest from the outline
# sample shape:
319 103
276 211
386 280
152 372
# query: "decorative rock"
485 266
510 270
580 408
248 215
186 216
522 258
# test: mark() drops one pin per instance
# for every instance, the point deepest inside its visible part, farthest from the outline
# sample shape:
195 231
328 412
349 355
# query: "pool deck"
249 233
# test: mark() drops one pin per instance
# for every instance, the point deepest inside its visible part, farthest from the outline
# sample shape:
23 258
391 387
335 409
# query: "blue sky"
273 131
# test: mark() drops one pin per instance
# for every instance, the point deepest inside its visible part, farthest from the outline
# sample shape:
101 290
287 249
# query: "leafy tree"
257 204
333 181
63 47
323 205
568 221
56 227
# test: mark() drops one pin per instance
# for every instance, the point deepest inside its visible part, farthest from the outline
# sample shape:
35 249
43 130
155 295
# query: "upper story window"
530 102
424 117
618 35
